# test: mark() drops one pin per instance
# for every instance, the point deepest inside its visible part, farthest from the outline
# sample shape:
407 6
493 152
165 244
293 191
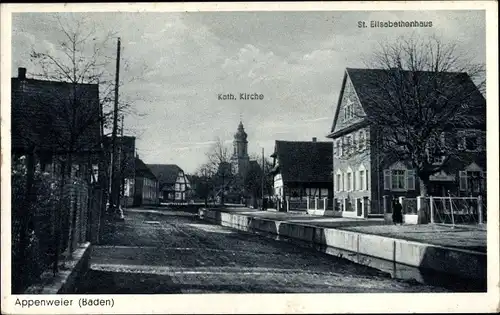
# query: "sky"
175 64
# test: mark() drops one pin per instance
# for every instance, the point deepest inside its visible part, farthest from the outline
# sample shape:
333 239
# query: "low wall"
68 276
462 263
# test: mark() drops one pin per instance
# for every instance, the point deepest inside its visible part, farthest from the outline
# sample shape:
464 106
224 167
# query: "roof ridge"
405 70
52 81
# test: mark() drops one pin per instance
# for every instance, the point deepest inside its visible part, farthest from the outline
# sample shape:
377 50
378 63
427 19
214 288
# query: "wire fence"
470 211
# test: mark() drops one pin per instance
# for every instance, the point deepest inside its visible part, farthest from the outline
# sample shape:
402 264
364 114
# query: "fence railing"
409 205
50 220
457 210
449 210
320 203
297 204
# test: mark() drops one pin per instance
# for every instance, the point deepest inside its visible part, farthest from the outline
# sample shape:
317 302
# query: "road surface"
162 251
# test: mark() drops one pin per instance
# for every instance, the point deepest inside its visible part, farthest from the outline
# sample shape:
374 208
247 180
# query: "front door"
440 188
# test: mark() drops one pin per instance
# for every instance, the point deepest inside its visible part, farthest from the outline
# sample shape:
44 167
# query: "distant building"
233 175
145 186
363 175
125 150
302 169
173 183
240 159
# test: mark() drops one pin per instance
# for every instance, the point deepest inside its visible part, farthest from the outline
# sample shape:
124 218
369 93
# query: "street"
163 251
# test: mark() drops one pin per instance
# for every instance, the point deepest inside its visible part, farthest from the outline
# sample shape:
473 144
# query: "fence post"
325 203
480 208
287 204
451 209
420 210
431 201
365 206
386 203
316 203
308 207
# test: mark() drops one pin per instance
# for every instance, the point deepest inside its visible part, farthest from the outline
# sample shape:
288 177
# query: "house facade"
145 186
363 176
174 185
125 150
301 170
57 172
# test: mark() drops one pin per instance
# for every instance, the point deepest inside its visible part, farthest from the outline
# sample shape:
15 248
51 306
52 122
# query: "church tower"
240 157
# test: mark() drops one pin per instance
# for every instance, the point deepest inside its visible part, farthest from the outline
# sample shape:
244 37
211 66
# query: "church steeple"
240 145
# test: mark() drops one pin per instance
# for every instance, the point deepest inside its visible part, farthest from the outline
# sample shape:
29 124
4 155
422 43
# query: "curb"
456 262
66 279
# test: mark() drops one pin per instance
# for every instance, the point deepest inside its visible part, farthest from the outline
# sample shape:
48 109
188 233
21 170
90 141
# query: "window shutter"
463 180
354 181
343 181
410 183
387 180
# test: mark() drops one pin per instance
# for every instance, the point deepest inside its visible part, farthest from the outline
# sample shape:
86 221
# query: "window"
361 182
338 184
399 179
361 140
470 140
95 173
471 181
436 159
348 110
349 181
470 143
348 144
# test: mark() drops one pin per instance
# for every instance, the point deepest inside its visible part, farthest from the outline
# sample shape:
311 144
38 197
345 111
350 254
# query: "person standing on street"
397 212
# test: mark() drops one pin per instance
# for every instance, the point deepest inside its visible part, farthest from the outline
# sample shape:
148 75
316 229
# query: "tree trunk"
423 212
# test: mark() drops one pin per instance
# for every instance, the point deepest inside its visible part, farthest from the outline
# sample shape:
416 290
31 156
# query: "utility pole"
262 179
114 195
121 167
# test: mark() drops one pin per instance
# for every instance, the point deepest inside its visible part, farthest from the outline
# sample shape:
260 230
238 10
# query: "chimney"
21 73
314 139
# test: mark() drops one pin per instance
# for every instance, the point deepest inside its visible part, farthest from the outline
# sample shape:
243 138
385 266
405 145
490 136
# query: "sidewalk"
446 236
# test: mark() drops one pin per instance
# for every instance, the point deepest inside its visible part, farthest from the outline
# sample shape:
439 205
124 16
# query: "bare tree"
256 175
80 62
219 164
424 91
203 180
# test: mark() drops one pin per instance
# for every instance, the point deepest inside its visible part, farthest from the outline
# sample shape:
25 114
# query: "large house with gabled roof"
302 170
363 176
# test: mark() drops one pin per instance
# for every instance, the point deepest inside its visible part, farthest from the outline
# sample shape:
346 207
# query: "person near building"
397 212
